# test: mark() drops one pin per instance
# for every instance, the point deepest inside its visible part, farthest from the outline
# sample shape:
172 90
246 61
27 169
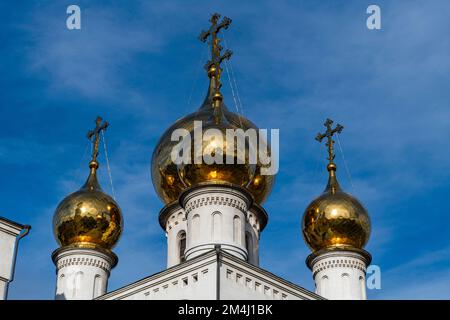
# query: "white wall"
340 275
216 215
9 231
82 274
197 279
176 223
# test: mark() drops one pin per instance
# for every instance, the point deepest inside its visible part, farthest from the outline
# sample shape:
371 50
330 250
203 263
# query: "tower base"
82 273
340 273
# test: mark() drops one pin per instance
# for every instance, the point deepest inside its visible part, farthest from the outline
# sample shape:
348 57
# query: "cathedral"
213 218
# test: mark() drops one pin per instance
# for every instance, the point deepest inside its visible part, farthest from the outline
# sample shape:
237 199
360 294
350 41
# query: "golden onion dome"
88 217
335 219
170 179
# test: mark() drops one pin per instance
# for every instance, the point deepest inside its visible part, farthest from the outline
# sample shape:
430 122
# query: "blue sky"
139 65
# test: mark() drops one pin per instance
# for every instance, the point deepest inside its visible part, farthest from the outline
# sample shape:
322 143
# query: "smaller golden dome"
335 219
88 217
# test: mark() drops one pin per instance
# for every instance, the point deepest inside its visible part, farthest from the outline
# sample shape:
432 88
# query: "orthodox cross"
94 136
216 48
329 135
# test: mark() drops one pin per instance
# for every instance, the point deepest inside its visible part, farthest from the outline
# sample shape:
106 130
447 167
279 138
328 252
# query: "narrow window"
76 283
195 230
322 286
182 246
346 286
217 226
97 286
363 287
237 230
249 245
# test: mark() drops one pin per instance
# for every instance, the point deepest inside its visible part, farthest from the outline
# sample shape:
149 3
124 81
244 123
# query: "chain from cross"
329 135
94 136
216 48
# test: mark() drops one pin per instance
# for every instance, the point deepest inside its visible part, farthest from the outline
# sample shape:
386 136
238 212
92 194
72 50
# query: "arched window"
346 294
60 288
181 246
76 283
362 283
216 225
249 245
195 230
237 230
97 286
322 286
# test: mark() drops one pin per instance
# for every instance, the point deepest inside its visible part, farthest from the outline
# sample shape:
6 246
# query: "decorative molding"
194 270
82 261
339 263
175 220
338 253
210 190
258 285
209 200
96 254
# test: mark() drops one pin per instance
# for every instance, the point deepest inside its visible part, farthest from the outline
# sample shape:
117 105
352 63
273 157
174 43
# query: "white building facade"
10 234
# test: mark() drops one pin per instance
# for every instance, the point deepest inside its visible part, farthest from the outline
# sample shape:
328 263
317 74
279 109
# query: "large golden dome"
170 179
165 174
88 217
335 219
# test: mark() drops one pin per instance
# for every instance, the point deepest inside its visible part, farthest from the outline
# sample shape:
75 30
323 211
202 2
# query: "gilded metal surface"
166 180
335 219
216 57
169 179
88 218
94 136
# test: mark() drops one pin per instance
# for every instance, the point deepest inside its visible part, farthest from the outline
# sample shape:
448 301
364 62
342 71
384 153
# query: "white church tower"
86 224
336 227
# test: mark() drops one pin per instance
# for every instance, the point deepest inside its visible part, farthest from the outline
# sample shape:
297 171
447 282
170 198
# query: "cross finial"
213 66
94 137
330 143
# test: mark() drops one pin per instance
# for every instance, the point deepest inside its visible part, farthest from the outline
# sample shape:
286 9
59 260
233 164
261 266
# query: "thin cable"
231 86
234 80
237 91
232 92
107 164
345 164
196 78
84 154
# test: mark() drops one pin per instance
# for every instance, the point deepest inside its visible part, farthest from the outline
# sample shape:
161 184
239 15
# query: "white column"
82 274
172 219
9 235
340 274
216 214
